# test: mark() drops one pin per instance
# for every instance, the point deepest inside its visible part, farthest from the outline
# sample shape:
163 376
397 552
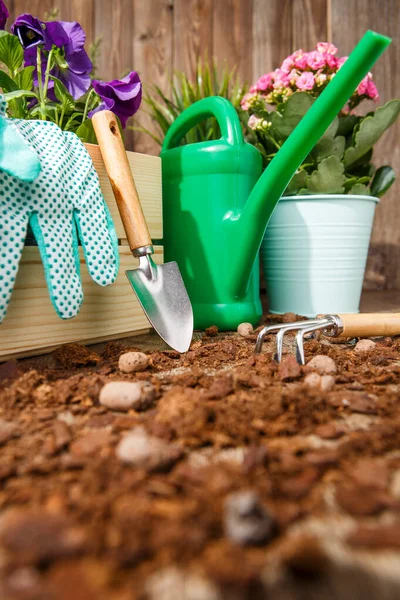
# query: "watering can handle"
214 106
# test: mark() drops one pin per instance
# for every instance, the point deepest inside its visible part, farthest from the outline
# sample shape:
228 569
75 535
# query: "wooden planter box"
32 325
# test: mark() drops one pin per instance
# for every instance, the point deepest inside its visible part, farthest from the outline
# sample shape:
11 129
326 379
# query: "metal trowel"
159 288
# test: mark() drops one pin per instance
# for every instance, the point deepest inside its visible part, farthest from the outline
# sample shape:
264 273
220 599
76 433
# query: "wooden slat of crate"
33 327
147 173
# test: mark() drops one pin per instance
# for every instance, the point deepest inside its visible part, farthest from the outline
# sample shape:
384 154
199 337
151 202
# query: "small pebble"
313 381
133 362
246 521
364 346
324 383
126 395
245 329
145 451
323 364
327 383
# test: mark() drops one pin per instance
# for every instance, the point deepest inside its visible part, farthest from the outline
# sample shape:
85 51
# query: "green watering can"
217 204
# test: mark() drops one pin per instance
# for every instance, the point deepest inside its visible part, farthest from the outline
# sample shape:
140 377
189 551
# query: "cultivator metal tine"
280 329
304 328
323 324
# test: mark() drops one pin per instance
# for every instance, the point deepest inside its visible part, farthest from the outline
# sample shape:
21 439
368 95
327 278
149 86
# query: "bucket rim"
327 197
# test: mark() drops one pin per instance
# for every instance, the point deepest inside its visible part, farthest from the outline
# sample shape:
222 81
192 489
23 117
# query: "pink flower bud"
326 48
306 81
265 82
300 59
315 60
372 91
287 64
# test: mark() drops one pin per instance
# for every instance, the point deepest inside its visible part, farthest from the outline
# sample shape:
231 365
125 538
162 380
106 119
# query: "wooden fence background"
155 37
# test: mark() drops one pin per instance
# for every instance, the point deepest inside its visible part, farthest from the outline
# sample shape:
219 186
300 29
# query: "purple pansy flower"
121 96
72 65
3 14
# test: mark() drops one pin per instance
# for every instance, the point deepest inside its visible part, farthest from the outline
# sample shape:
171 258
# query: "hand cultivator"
357 325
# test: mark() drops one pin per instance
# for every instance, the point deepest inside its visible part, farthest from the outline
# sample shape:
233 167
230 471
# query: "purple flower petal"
79 62
107 104
76 83
125 93
75 66
55 35
76 36
30 31
3 14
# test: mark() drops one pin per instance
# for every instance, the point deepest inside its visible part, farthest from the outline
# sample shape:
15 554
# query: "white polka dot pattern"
63 203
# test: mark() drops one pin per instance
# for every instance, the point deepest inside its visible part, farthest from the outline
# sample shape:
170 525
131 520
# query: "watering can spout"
273 182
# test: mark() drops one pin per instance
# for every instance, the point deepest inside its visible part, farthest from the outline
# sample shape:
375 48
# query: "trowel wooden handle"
370 324
119 172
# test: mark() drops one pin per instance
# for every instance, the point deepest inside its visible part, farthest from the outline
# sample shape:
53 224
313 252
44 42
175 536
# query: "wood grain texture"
82 11
122 182
193 33
147 174
370 324
152 52
32 324
272 34
309 23
38 8
113 22
232 35
349 21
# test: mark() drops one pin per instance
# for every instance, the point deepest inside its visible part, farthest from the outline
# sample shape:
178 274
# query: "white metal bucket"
314 253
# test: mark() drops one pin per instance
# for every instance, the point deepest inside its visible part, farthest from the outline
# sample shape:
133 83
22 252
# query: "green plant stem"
85 112
40 83
271 139
47 74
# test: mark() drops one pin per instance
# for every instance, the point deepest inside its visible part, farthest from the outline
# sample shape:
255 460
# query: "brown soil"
256 486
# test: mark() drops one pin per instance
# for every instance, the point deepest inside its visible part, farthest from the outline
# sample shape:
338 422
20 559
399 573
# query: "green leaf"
383 179
6 83
11 52
62 94
349 183
347 124
19 94
24 78
328 178
289 114
370 130
328 146
297 182
86 132
360 190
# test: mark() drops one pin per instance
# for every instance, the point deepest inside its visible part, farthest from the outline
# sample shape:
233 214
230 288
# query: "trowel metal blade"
163 297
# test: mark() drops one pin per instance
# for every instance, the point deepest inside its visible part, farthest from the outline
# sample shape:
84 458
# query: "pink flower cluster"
305 71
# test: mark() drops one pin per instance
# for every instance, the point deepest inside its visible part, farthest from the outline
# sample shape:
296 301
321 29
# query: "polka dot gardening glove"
63 202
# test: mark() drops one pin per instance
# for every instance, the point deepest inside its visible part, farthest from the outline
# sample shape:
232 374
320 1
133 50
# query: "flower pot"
314 253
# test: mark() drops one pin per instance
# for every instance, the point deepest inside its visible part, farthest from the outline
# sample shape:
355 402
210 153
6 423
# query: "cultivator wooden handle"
369 324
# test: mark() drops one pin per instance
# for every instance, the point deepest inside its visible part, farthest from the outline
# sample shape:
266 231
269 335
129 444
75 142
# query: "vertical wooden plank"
83 12
309 23
193 37
37 8
350 20
114 23
272 33
232 35
152 51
